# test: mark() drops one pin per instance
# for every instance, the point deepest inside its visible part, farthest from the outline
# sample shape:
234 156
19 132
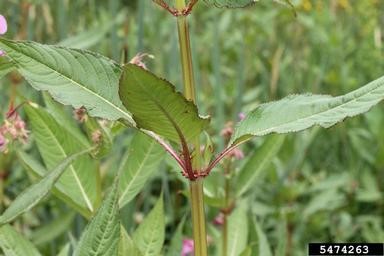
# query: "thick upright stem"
196 186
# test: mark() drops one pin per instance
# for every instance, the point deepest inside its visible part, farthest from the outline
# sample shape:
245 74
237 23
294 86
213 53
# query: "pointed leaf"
177 240
264 248
35 193
126 245
238 235
157 107
139 164
36 170
73 77
258 162
65 250
81 181
298 112
14 244
231 3
149 236
101 236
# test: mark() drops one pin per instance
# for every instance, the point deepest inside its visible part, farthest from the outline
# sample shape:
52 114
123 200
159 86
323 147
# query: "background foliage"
322 185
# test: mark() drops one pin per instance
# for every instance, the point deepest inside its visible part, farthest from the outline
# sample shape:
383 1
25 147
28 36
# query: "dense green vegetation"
320 185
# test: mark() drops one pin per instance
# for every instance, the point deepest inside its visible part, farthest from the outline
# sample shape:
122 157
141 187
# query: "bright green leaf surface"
36 170
258 162
263 244
73 77
81 181
157 107
238 231
298 112
102 235
139 164
149 236
231 3
14 244
126 245
36 192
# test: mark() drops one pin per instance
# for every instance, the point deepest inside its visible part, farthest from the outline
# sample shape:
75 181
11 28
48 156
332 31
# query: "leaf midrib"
266 131
137 173
84 194
128 116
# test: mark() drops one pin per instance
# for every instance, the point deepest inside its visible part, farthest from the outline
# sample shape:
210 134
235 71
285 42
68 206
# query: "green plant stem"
196 186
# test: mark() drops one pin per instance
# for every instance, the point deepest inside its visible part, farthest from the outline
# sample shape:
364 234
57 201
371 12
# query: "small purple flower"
3 29
188 247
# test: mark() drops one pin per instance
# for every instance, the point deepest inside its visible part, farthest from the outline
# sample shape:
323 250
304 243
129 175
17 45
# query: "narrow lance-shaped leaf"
141 161
258 162
157 107
238 235
126 245
73 77
81 182
101 236
14 244
298 112
149 236
36 192
231 3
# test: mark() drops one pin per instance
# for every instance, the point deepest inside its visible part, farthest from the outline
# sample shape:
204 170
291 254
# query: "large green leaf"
231 3
139 164
102 235
36 192
149 236
257 163
263 244
298 112
73 77
157 107
14 244
238 231
81 181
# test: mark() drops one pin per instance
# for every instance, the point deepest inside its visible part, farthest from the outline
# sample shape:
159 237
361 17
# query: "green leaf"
298 112
102 235
231 3
264 248
65 250
36 192
238 231
53 229
258 163
81 181
177 240
138 166
126 245
157 107
149 236
36 170
73 77
6 66
14 244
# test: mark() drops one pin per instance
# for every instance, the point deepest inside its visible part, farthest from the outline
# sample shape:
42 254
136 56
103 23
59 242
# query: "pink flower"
188 247
219 219
138 59
3 143
236 153
3 29
241 116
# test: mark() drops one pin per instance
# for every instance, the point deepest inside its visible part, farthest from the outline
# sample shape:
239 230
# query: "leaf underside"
157 107
101 236
231 3
80 181
73 77
298 112
14 244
